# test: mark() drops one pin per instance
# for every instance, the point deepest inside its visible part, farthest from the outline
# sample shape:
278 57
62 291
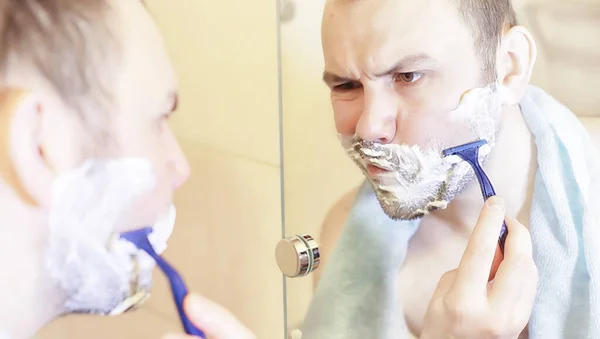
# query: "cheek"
146 209
149 207
157 200
346 112
433 126
148 144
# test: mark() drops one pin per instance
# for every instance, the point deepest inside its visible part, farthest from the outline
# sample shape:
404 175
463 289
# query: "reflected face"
397 70
127 185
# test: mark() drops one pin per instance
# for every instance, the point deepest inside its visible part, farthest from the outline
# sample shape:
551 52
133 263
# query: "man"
86 153
411 78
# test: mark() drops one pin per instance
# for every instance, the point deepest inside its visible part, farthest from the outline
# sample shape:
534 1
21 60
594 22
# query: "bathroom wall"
316 170
568 63
229 213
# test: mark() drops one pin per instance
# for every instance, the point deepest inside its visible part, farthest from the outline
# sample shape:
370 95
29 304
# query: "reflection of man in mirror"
409 79
86 152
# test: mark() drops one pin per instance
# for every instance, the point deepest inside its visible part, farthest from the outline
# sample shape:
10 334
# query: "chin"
110 277
418 201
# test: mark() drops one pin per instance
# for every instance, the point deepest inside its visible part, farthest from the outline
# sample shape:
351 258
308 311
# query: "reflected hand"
214 320
466 304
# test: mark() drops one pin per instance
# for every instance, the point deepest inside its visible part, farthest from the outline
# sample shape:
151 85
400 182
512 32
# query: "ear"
22 162
516 58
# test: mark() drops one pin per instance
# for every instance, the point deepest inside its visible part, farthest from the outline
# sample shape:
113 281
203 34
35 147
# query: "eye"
347 86
409 77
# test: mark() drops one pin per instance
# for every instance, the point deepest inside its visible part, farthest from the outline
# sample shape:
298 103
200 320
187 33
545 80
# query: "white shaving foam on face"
482 108
417 181
162 230
94 267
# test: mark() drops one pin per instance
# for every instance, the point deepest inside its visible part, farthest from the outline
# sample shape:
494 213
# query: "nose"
378 119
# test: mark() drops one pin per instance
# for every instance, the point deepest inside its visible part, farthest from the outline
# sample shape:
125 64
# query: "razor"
140 239
470 153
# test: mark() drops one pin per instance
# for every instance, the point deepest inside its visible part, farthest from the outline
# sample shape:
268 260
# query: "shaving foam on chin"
425 166
406 165
413 176
96 271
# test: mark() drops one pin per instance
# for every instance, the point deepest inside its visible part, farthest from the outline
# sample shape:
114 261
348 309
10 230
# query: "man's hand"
466 304
215 321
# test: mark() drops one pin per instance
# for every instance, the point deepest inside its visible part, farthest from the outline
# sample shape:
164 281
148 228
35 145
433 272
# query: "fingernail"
496 203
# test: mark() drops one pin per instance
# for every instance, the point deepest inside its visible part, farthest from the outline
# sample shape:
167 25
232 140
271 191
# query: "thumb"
214 320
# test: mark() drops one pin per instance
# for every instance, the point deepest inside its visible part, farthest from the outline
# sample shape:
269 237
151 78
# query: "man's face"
397 70
116 192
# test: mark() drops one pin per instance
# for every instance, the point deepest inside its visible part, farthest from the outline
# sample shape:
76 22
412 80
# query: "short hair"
487 20
70 43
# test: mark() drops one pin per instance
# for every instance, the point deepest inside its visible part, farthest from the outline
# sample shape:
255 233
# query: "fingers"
474 269
215 321
444 284
515 283
518 241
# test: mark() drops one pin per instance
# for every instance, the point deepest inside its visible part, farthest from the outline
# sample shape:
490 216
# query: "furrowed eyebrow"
405 64
330 78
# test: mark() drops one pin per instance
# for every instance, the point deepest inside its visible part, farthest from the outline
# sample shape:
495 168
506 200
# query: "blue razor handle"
140 239
470 153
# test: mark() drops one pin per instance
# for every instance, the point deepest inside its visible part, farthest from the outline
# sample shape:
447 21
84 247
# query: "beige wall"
568 64
317 171
229 212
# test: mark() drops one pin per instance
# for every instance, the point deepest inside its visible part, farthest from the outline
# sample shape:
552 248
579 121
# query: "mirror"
317 172
229 212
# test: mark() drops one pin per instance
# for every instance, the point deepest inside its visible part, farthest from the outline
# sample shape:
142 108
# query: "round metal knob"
297 255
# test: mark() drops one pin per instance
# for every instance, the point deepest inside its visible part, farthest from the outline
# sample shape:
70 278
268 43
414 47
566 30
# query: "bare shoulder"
332 227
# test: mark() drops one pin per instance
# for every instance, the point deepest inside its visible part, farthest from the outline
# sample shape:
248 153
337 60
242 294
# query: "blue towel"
356 297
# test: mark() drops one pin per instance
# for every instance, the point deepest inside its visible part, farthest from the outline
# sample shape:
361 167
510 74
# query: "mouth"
375 170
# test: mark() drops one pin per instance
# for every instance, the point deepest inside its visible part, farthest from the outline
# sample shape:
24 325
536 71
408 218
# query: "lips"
375 170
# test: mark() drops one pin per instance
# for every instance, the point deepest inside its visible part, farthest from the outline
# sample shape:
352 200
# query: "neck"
510 167
28 299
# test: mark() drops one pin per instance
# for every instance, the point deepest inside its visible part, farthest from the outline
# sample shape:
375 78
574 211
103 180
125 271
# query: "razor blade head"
461 148
139 238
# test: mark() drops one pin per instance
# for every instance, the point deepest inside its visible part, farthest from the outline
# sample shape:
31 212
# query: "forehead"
147 72
373 33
